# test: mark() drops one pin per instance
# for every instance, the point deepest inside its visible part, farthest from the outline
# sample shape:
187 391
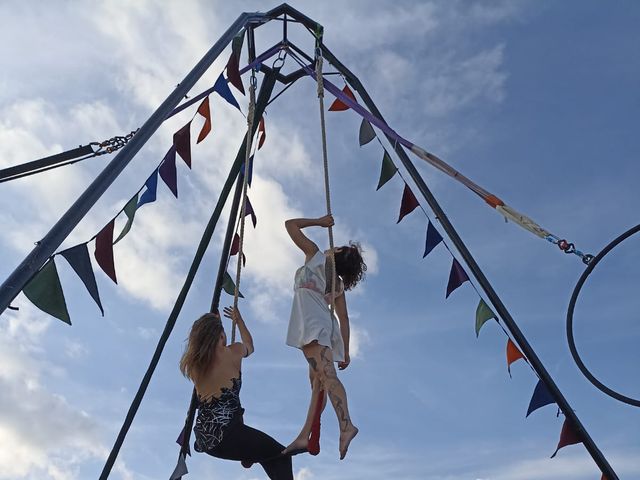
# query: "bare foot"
345 439
299 445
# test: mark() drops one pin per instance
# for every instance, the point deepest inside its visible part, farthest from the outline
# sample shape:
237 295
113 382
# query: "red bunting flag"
233 72
205 111
338 105
182 141
568 436
235 245
262 133
513 354
409 202
104 250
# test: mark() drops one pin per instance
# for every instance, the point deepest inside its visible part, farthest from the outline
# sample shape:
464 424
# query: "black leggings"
249 445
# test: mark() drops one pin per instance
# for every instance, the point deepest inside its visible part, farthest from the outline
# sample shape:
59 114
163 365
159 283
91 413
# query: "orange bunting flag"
568 436
338 105
204 110
262 133
513 354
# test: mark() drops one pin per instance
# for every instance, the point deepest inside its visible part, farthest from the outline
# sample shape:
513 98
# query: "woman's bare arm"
294 228
345 330
244 348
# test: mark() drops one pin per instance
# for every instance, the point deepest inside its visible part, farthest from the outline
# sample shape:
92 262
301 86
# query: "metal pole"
495 300
52 240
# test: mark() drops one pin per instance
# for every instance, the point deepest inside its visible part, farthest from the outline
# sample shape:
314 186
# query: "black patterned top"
215 414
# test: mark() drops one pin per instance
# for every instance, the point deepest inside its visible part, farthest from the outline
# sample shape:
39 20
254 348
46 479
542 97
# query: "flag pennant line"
44 290
568 436
433 239
540 398
222 88
182 142
513 354
168 172
205 112
409 203
457 276
79 259
104 250
338 105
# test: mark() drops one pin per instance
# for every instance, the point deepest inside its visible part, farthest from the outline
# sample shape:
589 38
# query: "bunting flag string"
78 258
45 292
387 171
513 354
205 112
222 88
233 64
568 436
409 203
182 142
540 398
104 250
457 277
168 172
338 105
149 194
483 315
433 239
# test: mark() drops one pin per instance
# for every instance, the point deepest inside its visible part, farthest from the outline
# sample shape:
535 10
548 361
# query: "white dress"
310 313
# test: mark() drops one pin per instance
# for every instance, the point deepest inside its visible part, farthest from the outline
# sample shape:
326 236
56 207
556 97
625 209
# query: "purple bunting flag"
104 250
150 193
78 258
568 436
182 142
409 202
457 277
181 468
433 239
249 211
540 398
167 171
181 441
222 89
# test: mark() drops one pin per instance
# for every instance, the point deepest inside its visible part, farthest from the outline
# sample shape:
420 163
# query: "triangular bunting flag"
104 251
483 314
338 105
180 441
168 171
568 436
205 111
262 133
222 89
388 170
250 170
78 258
409 202
248 210
229 286
235 245
181 468
457 276
130 211
367 133
433 239
540 398
149 194
513 354
182 142
45 292
233 72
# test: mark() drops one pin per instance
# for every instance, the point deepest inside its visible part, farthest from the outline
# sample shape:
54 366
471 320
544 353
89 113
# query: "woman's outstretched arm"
245 348
294 228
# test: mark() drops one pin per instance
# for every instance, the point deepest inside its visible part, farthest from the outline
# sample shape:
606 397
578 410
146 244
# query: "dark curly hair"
350 265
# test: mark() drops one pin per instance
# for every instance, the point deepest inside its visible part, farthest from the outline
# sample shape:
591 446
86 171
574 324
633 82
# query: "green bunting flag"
388 170
483 314
367 133
130 212
228 285
45 292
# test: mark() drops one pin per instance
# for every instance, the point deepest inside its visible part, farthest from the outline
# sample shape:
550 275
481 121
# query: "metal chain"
113 144
568 247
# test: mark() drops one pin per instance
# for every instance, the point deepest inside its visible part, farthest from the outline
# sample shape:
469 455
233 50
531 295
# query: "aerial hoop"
572 303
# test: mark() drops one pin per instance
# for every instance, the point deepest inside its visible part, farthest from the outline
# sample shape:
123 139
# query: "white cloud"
304 474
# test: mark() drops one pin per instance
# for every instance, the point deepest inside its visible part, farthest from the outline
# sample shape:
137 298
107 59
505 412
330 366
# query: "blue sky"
536 102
